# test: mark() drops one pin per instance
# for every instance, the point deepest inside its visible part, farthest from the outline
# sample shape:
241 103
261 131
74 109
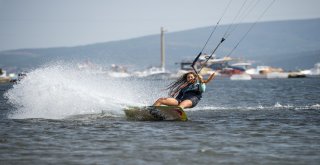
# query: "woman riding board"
185 92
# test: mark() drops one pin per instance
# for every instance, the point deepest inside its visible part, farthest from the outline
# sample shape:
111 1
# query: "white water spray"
60 90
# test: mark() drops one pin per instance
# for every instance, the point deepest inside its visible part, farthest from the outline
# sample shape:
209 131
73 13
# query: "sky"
56 23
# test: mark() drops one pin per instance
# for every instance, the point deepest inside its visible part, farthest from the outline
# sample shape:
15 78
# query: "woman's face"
190 78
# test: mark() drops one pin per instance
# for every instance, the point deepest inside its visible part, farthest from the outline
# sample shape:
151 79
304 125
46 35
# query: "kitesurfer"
186 91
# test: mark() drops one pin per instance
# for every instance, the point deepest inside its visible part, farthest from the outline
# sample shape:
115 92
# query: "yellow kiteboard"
155 113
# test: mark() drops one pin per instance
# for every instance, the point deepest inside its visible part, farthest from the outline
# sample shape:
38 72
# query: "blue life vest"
192 90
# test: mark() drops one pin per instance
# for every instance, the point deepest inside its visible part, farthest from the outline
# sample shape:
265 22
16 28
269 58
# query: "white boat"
314 72
118 74
118 71
274 75
243 76
3 77
243 65
152 71
267 72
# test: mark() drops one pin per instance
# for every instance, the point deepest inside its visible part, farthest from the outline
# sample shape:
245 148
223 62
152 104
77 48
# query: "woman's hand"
191 81
200 78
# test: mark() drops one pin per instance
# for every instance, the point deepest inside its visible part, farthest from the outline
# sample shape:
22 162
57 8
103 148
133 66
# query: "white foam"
60 90
276 106
316 106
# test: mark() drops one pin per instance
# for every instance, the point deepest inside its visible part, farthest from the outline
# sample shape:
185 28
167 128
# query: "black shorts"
194 99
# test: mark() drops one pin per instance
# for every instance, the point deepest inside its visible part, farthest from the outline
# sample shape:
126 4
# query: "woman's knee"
168 101
186 104
161 100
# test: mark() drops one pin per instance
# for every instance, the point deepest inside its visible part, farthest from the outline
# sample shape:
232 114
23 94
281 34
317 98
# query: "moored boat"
243 76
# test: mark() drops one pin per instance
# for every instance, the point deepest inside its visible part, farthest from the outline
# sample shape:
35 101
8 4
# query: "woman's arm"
209 78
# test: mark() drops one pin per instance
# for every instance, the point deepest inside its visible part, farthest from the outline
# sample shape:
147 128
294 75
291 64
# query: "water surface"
236 122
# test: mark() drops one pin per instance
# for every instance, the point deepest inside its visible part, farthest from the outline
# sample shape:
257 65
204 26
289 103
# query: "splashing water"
60 90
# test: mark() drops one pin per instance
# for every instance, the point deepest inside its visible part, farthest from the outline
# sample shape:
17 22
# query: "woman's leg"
186 104
166 101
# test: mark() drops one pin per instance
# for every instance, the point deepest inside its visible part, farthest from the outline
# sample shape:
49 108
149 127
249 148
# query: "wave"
58 90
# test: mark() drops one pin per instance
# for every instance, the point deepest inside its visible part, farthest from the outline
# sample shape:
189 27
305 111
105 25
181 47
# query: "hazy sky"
51 23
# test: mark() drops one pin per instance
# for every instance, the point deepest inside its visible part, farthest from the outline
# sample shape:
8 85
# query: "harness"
192 89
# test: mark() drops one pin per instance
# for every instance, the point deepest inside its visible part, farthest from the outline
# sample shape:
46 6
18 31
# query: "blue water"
48 120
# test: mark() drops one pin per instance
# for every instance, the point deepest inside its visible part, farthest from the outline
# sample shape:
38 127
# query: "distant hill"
293 44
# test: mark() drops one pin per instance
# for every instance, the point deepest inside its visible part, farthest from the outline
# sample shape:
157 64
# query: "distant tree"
1 71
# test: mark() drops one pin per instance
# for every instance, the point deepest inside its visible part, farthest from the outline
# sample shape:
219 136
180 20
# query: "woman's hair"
175 85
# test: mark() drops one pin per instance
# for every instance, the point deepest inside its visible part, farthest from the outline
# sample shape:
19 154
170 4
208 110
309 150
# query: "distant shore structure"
159 71
162 48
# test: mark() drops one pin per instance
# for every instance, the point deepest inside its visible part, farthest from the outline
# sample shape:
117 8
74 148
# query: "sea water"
60 114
